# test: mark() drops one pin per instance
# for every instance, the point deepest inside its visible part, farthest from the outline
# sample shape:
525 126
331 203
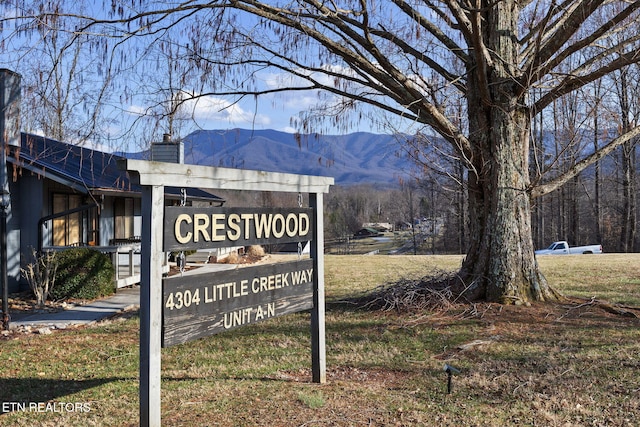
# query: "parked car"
563 248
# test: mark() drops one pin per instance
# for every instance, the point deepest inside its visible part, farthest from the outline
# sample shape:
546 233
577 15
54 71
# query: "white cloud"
211 109
136 110
299 102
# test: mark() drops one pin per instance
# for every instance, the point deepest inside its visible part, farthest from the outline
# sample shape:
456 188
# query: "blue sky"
277 111
274 111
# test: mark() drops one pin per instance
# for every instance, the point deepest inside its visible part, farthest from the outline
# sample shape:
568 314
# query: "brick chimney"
167 151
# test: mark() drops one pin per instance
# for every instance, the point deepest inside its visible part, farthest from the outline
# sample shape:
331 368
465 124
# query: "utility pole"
10 136
4 207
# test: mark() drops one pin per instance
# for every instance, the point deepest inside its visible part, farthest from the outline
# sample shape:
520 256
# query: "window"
67 230
74 229
123 215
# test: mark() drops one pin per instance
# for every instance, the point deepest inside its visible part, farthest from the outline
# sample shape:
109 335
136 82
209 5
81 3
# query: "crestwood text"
220 226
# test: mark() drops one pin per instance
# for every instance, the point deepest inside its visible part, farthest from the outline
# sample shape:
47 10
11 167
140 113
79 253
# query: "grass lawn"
567 364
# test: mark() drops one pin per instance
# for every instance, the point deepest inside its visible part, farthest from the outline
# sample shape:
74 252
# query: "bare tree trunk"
539 154
574 211
560 231
500 264
628 230
596 205
461 202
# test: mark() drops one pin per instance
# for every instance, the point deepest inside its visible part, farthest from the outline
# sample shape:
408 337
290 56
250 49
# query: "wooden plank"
200 305
184 175
187 227
227 321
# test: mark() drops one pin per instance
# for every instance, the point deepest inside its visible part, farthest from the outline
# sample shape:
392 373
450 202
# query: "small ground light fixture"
450 370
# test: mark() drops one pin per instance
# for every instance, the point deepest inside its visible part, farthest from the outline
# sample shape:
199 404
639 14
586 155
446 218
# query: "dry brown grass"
255 251
569 364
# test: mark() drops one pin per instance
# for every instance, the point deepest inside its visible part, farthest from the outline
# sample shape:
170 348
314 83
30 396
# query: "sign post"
177 311
150 305
318 346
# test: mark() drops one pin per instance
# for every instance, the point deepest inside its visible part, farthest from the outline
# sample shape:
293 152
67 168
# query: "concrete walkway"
124 299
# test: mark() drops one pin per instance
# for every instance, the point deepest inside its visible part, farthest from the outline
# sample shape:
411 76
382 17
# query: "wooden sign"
184 308
188 227
199 305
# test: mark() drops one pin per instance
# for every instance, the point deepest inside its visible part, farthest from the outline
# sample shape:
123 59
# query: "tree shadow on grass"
15 391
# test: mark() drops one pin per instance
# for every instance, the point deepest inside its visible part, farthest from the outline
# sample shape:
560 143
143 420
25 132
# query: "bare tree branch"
549 52
559 181
575 80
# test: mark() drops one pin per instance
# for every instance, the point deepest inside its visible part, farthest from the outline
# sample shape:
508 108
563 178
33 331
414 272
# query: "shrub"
41 275
232 258
255 251
83 273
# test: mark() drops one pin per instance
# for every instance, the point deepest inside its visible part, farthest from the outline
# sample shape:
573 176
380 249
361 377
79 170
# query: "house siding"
106 221
44 167
14 256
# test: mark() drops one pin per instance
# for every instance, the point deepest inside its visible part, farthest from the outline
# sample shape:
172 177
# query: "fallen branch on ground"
434 293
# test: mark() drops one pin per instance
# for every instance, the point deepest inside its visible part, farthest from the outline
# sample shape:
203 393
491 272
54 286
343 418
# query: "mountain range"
355 158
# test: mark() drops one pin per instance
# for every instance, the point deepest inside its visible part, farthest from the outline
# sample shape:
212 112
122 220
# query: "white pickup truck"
563 248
